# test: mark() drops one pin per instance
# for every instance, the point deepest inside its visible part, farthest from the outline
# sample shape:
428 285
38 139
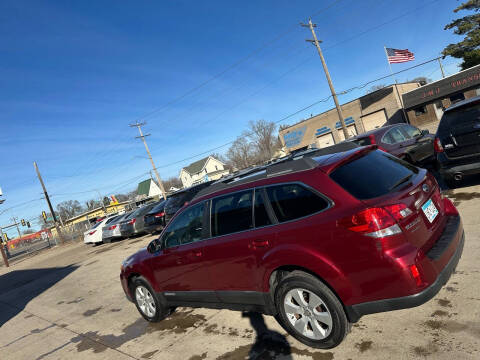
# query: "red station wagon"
316 241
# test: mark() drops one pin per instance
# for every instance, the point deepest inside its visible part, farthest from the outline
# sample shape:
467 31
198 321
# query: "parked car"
112 230
457 141
155 219
181 198
133 224
317 242
94 234
402 140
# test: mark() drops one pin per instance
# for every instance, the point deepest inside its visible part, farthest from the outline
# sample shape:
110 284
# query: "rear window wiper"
401 181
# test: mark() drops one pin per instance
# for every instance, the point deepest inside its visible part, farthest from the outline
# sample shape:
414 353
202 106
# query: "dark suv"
402 140
181 198
457 142
315 241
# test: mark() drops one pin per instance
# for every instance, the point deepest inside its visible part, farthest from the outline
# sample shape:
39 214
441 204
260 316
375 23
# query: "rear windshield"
373 175
158 207
176 201
363 141
458 119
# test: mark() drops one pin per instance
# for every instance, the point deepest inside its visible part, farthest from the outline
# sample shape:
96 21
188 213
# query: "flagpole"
396 87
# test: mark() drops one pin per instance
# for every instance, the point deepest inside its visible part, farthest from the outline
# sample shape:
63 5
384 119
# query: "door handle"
258 244
198 253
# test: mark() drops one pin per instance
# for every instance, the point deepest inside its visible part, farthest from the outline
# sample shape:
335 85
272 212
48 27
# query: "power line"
232 66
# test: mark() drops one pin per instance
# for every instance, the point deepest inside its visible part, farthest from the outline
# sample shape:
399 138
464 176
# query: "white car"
94 234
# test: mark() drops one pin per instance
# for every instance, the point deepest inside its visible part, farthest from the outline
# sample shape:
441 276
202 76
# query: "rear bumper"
450 168
153 228
355 312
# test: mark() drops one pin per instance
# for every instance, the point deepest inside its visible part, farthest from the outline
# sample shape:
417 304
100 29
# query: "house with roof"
203 170
147 189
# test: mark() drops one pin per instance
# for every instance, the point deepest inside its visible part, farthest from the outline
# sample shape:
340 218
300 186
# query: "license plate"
430 210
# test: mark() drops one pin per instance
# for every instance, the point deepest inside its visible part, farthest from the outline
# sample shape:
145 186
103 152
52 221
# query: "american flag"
399 56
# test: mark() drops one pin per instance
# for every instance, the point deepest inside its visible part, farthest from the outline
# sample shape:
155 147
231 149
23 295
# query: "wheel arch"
279 273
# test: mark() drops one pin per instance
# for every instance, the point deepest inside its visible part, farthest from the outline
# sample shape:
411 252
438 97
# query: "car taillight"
377 222
112 227
374 222
450 209
398 211
437 145
131 222
159 214
373 141
92 232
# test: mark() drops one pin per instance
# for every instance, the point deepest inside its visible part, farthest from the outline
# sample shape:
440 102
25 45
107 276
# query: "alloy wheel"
308 314
145 301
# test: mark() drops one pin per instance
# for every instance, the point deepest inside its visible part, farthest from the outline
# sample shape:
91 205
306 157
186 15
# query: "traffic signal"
44 215
5 236
23 222
28 224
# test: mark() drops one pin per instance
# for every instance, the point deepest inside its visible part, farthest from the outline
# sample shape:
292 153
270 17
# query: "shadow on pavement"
19 287
267 342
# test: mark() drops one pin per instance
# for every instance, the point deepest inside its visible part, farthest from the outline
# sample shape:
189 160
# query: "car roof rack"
291 163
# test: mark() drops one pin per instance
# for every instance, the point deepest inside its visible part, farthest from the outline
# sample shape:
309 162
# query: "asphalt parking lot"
67 303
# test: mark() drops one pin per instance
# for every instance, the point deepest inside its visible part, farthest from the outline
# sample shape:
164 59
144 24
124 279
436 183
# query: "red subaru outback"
315 241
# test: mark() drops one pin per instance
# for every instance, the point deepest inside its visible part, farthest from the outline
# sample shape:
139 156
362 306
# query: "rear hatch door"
459 131
379 179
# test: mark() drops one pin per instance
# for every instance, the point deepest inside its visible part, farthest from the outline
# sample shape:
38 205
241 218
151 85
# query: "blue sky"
76 73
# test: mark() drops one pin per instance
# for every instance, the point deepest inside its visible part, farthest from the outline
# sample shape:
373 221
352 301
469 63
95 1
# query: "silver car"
112 230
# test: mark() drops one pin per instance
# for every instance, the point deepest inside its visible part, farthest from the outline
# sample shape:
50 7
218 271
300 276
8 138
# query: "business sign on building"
294 137
441 89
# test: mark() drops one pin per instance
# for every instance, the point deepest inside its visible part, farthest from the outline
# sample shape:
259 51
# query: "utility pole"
327 74
441 68
14 219
59 232
4 249
139 126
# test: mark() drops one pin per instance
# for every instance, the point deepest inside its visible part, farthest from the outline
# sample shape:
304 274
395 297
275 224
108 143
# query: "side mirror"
425 132
154 246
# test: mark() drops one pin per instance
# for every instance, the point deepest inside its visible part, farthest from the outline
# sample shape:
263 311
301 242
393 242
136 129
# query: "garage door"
325 140
352 131
375 120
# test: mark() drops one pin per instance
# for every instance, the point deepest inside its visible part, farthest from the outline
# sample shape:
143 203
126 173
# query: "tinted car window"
158 208
232 213
96 225
112 219
411 131
293 201
394 136
261 215
363 141
185 228
374 174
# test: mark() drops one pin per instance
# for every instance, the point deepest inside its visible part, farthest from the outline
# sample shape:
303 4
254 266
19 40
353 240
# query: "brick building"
363 114
427 103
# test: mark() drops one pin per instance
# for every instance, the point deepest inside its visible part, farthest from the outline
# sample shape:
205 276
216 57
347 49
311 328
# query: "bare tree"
172 182
422 80
241 153
375 88
264 139
69 208
92 204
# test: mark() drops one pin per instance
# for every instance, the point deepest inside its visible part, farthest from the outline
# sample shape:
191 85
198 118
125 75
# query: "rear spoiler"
340 159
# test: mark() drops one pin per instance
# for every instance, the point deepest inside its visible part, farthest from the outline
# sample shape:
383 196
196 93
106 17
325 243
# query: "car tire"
147 302
323 326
